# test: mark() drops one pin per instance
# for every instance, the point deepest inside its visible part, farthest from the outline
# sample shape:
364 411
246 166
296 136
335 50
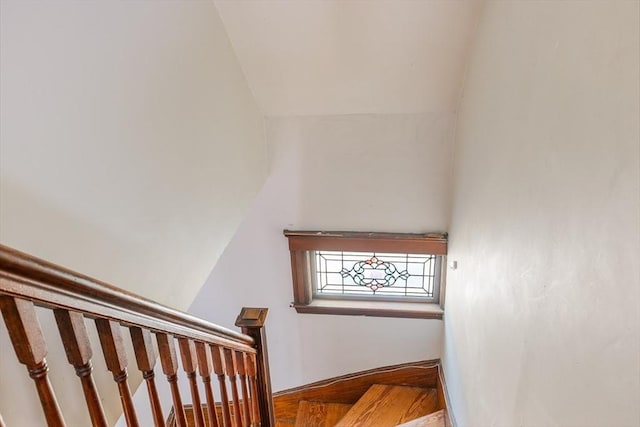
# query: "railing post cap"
252 317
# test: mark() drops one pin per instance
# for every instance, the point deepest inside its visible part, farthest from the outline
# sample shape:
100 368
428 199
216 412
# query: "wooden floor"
349 388
388 406
380 406
320 414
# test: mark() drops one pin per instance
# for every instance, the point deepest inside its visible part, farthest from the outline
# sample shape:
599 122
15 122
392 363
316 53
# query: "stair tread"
435 419
388 406
320 414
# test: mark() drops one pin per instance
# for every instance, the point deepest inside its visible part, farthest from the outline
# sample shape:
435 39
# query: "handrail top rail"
67 281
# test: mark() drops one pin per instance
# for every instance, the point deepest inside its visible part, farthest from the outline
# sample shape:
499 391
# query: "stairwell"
386 396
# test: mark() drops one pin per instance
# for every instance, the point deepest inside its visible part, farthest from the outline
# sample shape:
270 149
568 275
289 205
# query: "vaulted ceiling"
341 57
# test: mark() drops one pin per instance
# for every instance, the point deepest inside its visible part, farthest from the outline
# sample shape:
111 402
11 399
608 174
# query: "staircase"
410 394
320 414
381 406
407 395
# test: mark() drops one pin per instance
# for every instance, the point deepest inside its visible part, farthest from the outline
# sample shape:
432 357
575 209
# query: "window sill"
417 310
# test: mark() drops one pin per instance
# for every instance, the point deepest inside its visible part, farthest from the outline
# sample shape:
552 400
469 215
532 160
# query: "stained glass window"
375 275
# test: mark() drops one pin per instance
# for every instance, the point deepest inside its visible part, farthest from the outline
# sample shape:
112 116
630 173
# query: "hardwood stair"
406 395
388 406
380 406
436 419
320 414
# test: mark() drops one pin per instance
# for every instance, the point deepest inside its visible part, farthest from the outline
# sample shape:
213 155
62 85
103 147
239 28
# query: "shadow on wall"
30 225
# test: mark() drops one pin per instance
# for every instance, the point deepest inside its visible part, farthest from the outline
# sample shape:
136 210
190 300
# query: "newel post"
252 321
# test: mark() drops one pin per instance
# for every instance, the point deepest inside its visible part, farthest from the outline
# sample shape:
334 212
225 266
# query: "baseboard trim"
422 364
450 420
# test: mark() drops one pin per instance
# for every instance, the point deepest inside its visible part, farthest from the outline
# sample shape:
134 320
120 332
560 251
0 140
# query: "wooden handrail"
27 281
53 286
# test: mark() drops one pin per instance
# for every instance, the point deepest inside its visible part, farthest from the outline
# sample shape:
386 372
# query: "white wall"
317 57
542 326
131 148
358 172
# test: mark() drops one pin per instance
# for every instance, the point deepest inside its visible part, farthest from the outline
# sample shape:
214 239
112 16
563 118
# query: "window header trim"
350 241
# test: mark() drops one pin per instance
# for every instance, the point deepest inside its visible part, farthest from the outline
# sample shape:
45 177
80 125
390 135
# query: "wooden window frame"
302 245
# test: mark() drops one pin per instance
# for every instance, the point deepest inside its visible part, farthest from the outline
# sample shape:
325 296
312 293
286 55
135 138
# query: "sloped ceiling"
305 57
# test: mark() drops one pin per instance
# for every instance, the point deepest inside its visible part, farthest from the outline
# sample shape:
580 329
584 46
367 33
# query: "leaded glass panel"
375 275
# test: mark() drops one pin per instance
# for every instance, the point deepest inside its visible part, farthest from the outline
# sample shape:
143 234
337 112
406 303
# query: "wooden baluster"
204 367
251 373
31 349
116 360
188 354
75 339
242 374
230 366
218 368
252 321
170 368
146 360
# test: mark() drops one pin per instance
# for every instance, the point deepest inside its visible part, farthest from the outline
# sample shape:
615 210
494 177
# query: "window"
375 274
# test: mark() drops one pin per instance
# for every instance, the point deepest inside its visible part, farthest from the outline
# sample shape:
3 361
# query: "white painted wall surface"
131 148
542 324
359 172
317 57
